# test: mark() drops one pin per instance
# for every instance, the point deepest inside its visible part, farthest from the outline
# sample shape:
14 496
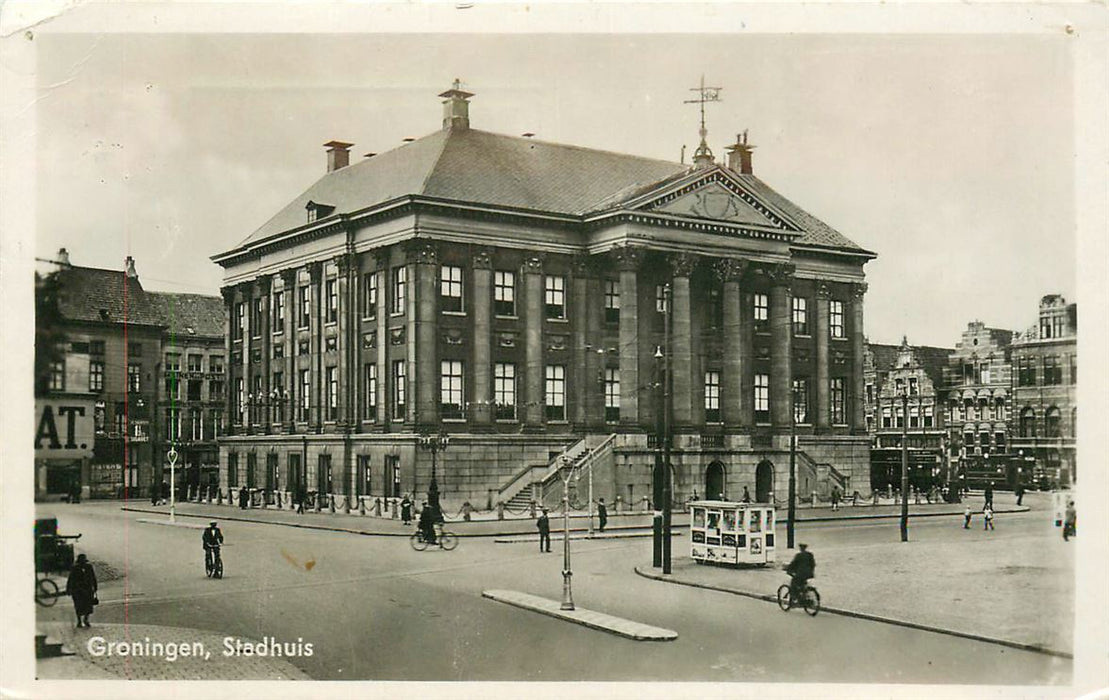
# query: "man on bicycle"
212 539
801 569
428 519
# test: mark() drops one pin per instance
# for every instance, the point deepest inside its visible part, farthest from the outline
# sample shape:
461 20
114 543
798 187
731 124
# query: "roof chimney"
456 107
129 268
739 155
63 257
338 155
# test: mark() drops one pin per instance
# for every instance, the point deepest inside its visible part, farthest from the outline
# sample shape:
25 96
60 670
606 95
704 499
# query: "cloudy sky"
949 156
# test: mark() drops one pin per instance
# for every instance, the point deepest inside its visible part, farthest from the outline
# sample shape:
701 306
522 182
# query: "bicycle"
213 565
46 592
810 599
446 540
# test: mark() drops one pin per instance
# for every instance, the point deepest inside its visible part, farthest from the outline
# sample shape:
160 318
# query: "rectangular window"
839 401
278 397
800 316
196 363
305 307
400 283
370 373
57 375
762 398
835 319
238 323
216 420
555 392
398 390
1074 369
171 386
800 400
712 397
504 390
215 364
256 318
554 296
662 294
96 347
134 376
1057 326
196 425
96 375
232 469
612 394
929 417
450 390
504 293
1053 371
887 417
239 406
324 484
278 312
450 288
173 362
305 394
914 416
369 298
331 289
332 374
761 312
194 390
913 390
215 390
173 425
612 301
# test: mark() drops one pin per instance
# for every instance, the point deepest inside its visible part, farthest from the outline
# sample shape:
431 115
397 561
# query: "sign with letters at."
64 428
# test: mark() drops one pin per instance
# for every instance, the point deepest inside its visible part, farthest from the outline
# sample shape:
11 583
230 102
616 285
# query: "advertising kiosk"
732 533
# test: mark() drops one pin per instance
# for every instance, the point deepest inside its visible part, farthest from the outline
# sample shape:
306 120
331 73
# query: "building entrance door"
714 482
764 481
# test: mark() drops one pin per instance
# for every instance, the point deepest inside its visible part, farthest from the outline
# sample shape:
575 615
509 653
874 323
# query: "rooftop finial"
456 106
703 155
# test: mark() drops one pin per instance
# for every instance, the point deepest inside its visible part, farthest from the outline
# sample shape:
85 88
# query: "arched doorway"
714 481
764 481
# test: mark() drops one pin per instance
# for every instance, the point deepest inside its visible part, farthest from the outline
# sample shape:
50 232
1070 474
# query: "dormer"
317 211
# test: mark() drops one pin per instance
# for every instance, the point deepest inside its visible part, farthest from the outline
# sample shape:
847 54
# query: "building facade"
1044 389
528 299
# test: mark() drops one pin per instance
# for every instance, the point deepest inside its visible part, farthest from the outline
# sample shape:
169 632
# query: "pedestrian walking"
989 494
165 492
406 510
81 586
835 498
1019 491
301 496
466 510
544 525
966 517
1069 521
746 495
377 507
987 516
154 492
602 513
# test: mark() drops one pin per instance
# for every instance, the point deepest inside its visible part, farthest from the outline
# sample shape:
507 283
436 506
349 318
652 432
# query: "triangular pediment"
716 197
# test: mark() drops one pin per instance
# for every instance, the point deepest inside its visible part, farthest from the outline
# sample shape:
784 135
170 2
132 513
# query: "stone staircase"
537 482
48 648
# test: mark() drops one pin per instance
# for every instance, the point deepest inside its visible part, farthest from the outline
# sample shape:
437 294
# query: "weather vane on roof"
703 155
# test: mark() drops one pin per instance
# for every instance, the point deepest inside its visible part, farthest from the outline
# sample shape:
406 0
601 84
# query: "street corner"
154 652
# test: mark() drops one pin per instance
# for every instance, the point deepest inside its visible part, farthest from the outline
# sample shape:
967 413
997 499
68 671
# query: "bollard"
316 498
875 494
346 504
279 500
814 501
219 493
331 503
500 510
395 514
361 505
377 507
531 507
265 499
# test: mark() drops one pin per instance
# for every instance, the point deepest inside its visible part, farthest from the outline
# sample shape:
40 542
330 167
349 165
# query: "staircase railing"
552 482
536 472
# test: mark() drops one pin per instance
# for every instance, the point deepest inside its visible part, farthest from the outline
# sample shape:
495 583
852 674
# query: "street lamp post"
434 444
792 512
656 521
904 466
172 457
567 593
666 410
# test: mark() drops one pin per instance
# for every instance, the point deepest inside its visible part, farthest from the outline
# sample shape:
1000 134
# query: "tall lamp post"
433 444
792 512
172 457
567 593
904 466
666 411
660 423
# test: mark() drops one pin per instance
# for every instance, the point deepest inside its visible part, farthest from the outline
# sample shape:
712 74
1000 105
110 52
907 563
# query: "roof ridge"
576 147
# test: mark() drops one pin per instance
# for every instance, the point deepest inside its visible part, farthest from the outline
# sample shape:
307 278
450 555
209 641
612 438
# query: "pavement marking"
589 618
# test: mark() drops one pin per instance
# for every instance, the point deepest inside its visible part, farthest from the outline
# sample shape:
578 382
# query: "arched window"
983 409
1027 422
1053 422
999 408
968 408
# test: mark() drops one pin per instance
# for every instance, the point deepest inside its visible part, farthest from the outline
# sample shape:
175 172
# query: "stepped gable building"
906 396
1045 407
979 393
512 293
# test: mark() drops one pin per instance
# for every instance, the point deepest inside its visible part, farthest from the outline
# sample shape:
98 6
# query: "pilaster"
628 261
482 302
856 407
424 257
681 341
823 387
532 274
781 345
737 355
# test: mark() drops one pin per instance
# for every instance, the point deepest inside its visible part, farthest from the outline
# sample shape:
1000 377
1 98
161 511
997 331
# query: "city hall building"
524 298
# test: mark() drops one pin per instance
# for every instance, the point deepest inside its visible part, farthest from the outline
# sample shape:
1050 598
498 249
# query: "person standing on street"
1019 490
81 586
966 517
987 516
989 494
406 510
602 513
544 525
835 498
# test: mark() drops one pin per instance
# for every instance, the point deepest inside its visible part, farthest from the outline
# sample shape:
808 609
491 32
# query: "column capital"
628 258
315 271
823 291
421 252
482 258
289 278
682 264
532 265
345 262
585 265
731 269
262 285
780 274
858 291
228 294
381 257
246 289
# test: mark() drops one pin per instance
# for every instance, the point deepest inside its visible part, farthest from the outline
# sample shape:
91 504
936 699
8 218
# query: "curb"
629 629
305 526
865 616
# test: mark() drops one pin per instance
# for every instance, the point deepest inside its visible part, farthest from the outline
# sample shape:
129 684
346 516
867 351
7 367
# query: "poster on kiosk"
731 533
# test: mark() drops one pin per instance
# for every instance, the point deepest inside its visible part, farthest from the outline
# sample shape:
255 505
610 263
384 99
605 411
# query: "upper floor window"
134 376
554 296
196 362
278 312
369 303
504 293
1053 422
800 400
332 376
57 375
504 390
215 363
762 398
612 301
451 390
96 347
450 288
835 319
800 316
712 397
173 362
370 373
1074 369
96 375
1027 422
761 312
914 389
1053 371
612 394
929 416
662 298
331 289
555 392
305 306
839 401
305 393
400 284
256 318
399 390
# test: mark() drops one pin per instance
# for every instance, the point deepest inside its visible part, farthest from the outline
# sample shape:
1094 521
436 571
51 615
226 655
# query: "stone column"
425 258
681 341
736 355
822 335
628 260
246 294
289 292
593 390
384 371
228 294
482 413
345 264
858 340
263 290
781 346
583 381
315 330
532 273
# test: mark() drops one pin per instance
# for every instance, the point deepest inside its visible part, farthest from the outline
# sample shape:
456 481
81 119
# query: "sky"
951 157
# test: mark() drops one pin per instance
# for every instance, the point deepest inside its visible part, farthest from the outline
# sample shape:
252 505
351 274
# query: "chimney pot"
338 155
63 257
456 107
739 155
129 267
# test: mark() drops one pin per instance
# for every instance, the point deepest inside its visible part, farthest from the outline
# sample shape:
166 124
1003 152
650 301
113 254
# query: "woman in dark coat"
81 586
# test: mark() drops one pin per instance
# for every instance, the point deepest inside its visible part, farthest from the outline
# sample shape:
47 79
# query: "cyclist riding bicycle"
212 539
801 569
428 520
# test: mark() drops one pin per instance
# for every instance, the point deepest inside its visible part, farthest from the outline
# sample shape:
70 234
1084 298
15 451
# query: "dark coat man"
406 510
81 586
212 539
989 494
544 525
602 513
802 568
243 497
427 523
